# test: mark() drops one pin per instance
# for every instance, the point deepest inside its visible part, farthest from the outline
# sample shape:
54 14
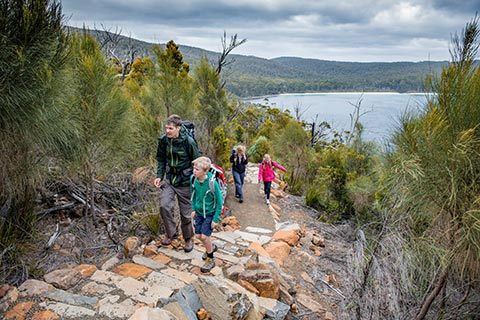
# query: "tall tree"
211 96
33 48
173 84
100 110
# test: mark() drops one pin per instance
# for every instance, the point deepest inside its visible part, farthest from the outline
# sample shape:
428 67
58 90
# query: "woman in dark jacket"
239 161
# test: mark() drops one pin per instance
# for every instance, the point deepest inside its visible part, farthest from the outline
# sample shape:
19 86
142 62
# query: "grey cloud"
213 12
455 6
305 28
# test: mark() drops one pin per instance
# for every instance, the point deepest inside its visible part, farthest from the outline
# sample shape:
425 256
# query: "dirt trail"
253 212
322 280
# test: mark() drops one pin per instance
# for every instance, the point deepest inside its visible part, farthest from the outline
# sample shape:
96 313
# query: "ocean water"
380 112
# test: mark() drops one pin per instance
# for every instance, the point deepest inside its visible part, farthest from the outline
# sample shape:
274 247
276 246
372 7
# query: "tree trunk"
431 297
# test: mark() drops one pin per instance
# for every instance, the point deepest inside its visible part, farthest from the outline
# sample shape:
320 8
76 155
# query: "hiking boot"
209 264
188 245
167 241
215 248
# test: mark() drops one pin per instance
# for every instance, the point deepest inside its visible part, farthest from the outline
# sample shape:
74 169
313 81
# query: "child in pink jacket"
267 175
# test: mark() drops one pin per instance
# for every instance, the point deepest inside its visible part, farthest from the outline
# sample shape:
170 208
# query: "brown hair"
175 120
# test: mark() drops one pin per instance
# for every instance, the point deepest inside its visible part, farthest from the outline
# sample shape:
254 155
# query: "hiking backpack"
190 128
219 175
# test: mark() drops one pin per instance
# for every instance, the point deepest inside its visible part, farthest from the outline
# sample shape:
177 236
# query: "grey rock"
70 298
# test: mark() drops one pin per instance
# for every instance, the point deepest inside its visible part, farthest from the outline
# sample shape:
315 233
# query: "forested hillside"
250 76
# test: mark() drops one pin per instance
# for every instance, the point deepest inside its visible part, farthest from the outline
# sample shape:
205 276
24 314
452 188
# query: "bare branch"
227 49
110 42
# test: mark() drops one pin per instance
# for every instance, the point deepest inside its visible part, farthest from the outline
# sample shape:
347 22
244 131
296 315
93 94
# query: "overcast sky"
341 30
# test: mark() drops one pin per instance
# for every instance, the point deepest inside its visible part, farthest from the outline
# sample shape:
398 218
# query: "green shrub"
362 192
261 146
151 221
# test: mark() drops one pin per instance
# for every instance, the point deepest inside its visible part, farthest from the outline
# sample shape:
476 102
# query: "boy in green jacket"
207 202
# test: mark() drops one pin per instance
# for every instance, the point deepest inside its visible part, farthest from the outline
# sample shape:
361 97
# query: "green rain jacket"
174 158
205 202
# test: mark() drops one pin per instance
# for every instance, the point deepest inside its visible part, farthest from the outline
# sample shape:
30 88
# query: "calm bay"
381 111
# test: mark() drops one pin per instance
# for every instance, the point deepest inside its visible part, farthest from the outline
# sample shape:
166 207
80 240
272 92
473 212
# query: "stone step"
135 288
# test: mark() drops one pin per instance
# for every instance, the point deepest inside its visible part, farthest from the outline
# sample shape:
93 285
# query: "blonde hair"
203 163
240 150
267 158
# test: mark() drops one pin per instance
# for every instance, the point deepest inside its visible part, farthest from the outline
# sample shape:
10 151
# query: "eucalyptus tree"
435 178
33 49
99 109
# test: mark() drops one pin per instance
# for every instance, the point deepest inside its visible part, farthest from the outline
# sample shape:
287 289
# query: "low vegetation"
73 114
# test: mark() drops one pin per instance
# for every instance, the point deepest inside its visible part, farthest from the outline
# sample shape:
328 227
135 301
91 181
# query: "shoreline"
334 93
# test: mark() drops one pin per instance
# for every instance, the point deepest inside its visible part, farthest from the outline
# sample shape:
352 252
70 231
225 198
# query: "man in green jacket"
175 153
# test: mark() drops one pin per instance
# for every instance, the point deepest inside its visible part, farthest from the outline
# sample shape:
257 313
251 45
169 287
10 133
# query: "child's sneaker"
209 264
215 248
268 202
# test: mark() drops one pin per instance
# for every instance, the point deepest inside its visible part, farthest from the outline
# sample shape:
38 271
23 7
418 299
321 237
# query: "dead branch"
53 237
227 49
110 42
57 208
333 289
431 297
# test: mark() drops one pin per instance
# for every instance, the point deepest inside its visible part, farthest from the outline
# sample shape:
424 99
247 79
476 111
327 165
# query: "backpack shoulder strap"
211 184
188 145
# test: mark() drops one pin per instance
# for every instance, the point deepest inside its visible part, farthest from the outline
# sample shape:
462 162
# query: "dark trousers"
167 204
239 179
267 186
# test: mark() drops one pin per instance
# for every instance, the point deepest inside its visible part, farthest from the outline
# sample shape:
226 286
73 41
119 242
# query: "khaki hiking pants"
167 205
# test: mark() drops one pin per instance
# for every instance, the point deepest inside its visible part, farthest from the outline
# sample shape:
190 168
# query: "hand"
214 224
194 214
